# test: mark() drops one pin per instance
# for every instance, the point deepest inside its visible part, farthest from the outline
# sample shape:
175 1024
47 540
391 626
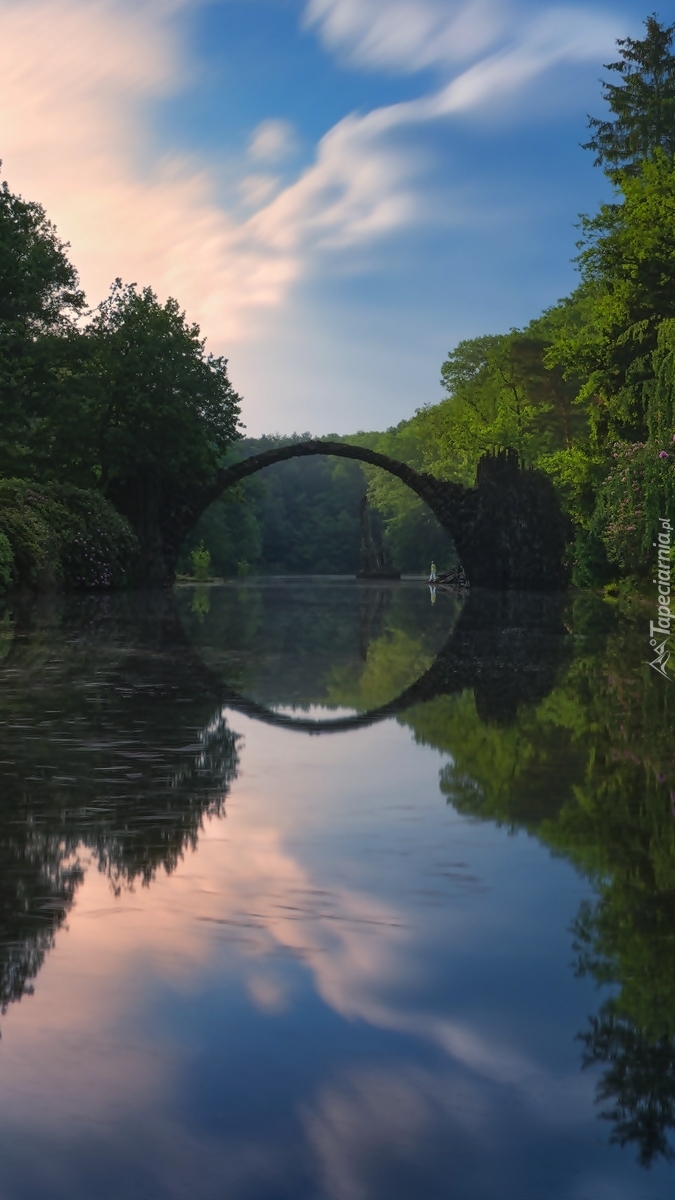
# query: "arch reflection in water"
592 773
378 650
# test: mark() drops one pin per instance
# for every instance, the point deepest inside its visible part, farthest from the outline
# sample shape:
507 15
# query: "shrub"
620 518
98 546
62 536
201 563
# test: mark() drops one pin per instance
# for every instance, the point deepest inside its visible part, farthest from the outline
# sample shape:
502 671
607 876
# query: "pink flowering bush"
56 536
619 518
639 486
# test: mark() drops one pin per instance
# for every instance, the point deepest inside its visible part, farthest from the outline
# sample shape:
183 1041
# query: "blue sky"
336 190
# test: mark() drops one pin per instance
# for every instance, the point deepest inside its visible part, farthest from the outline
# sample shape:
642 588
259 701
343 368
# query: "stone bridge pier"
509 530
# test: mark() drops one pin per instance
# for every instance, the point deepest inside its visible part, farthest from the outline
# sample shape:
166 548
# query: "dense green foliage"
162 412
585 392
39 300
126 402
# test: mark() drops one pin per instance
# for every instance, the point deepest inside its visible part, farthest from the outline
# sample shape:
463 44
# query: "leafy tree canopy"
38 285
627 264
164 409
39 301
160 411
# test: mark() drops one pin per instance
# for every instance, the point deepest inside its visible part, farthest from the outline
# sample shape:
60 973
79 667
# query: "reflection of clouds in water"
363 1118
250 892
268 993
378 1130
88 1056
246 889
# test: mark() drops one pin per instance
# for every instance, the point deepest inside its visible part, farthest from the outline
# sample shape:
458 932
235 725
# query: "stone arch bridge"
508 529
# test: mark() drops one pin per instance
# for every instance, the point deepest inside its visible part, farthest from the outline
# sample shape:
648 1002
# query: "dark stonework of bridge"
508 530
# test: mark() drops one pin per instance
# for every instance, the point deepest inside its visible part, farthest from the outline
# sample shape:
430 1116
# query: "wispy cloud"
406 35
77 78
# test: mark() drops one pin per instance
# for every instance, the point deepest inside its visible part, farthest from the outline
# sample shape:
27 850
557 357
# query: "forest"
113 417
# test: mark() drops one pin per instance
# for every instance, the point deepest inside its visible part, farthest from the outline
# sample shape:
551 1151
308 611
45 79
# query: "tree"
627 266
643 103
39 301
638 1086
161 414
501 396
39 290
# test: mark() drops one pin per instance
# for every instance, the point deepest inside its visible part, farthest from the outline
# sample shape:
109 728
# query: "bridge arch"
427 487
509 530
444 499
416 480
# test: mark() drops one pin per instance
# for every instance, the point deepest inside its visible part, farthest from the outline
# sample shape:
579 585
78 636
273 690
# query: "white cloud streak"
406 35
76 80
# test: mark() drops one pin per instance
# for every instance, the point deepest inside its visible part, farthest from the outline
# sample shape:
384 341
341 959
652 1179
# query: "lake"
322 890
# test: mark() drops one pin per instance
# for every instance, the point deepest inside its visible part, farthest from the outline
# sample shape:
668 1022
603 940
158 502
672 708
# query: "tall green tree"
643 103
627 266
40 299
161 412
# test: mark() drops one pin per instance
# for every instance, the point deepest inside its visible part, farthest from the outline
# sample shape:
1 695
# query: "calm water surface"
312 890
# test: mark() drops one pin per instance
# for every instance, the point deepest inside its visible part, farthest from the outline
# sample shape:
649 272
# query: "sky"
336 191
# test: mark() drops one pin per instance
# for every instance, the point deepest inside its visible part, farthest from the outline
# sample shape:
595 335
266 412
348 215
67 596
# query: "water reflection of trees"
111 743
590 770
298 644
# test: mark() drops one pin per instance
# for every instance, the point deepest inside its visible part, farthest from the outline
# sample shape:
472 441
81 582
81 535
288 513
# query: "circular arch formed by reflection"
508 648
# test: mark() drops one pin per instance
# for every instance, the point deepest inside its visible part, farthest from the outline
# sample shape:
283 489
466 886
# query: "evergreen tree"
643 102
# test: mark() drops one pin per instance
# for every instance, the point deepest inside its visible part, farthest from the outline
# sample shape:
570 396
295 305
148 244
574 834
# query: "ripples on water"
316 890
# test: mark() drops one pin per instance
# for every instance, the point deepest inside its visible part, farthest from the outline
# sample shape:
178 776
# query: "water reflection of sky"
347 991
